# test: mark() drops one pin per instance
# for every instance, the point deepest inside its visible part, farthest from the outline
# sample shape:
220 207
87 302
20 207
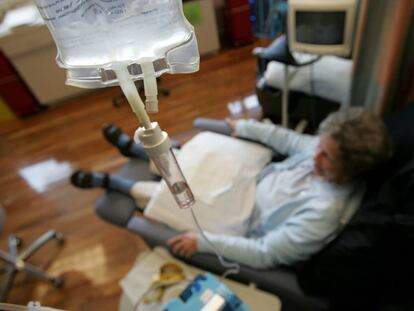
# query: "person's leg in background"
140 191
125 144
87 180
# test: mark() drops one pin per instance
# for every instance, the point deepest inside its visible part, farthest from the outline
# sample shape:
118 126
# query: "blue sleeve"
280 139
300 236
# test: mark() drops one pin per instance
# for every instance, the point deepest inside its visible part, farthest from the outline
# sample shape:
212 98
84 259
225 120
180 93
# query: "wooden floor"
96 254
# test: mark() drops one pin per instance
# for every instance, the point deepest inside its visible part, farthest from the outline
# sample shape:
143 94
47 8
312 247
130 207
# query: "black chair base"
15 261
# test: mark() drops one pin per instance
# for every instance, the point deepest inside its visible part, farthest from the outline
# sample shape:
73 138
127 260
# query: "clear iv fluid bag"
93 35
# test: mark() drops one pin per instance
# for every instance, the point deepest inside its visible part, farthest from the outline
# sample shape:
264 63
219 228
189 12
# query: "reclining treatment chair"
119 209
338 266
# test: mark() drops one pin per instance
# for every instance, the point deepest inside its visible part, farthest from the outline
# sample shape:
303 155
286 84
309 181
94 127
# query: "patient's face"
327 160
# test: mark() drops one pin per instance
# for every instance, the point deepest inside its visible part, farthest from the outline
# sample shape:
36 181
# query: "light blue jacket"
292 231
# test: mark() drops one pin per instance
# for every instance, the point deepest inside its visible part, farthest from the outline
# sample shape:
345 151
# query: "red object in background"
14 91
238 22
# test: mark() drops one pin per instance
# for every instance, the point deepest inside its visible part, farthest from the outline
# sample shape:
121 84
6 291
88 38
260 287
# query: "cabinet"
238 22
14 91
32 52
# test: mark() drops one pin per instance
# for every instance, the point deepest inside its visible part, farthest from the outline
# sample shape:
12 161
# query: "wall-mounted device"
322 26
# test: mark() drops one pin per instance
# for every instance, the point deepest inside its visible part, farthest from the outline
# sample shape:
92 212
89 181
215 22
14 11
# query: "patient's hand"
232 125
184 244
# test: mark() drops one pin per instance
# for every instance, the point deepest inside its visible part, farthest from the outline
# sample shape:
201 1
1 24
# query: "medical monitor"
322 26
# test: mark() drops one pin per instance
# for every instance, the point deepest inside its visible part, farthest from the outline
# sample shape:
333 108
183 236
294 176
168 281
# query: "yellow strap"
169 271
170 274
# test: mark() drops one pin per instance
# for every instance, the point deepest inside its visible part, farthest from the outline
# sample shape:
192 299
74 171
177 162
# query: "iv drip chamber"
157 145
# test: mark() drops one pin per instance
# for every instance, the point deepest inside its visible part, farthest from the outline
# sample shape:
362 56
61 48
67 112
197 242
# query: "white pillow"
221 172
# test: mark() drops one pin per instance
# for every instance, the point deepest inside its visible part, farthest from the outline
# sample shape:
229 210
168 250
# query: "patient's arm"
280 139
300 236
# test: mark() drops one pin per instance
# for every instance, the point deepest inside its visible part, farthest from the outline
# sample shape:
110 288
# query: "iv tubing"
150 87
131 93
232 267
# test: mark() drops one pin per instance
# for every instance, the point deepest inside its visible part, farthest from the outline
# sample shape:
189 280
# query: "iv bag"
93 35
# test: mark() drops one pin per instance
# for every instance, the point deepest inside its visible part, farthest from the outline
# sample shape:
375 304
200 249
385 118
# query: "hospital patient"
301 203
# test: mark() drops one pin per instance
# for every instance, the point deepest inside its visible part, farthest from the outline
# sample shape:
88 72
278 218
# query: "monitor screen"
320 27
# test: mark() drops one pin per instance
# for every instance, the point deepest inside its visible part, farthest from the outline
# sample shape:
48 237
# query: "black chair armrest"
212 125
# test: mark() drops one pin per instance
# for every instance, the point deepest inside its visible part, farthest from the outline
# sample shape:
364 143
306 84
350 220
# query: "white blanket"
221 172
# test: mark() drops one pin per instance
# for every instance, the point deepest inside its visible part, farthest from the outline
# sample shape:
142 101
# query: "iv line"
231 266
131 93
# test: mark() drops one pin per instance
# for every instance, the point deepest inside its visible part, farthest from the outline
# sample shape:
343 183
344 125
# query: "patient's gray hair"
362 138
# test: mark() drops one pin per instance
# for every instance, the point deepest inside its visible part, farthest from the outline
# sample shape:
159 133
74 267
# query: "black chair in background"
279 105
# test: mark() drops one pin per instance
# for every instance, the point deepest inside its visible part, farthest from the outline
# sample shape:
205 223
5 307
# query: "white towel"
221 172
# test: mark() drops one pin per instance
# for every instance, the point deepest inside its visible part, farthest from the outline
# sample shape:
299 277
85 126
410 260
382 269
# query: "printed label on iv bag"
95 32
88 10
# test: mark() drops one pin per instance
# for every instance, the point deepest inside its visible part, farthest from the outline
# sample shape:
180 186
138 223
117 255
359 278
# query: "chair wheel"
60 238
57 282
